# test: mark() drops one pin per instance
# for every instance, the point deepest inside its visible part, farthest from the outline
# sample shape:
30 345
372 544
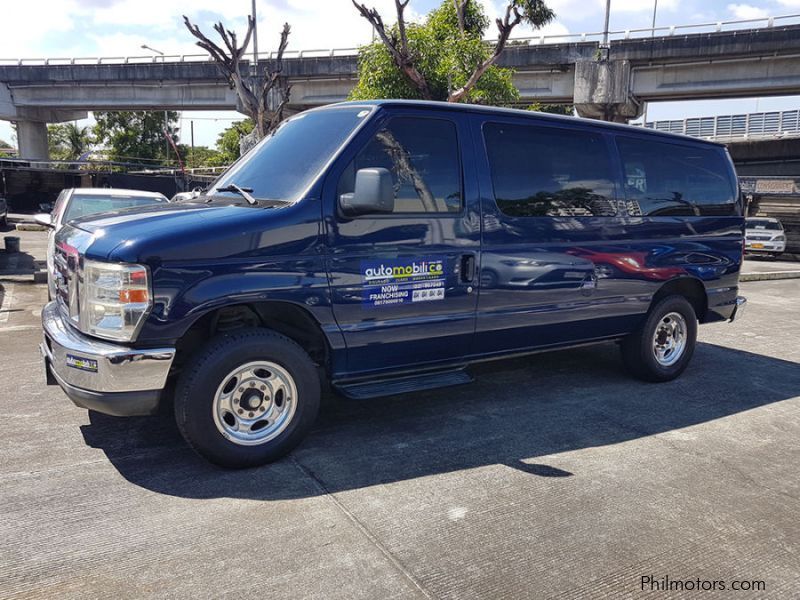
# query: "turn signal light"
133 296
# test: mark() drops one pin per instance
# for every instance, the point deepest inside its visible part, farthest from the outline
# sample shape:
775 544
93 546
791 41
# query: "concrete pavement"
550 476
757 268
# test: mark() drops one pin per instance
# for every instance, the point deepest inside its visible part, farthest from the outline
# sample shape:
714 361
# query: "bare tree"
255 94
397 44
405 170
534 12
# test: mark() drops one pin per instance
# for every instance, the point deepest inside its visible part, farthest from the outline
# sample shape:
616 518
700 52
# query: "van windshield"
285 163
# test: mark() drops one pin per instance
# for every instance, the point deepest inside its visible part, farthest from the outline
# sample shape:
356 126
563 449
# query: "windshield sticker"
84 364
402 281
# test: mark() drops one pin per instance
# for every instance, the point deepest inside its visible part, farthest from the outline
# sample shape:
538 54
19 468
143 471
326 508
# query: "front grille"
759 238
65 272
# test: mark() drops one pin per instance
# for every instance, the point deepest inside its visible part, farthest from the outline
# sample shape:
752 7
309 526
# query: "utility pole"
605 28
652 34
255 44
655 11
166 134
191 129
166 113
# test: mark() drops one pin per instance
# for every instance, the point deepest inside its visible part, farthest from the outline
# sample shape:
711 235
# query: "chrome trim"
119 368
738 310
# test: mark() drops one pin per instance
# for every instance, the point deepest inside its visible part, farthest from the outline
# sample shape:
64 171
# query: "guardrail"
99 165
622 34
757 125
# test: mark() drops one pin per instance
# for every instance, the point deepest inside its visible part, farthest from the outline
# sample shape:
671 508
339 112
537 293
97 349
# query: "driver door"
403 283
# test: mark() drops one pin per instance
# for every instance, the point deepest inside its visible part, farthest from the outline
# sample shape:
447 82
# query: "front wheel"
247 398
661 348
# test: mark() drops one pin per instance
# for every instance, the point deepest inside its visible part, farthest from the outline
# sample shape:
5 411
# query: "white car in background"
74 203
764 235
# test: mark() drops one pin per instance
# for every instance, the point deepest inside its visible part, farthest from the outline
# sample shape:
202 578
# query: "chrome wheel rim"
669 339
255 403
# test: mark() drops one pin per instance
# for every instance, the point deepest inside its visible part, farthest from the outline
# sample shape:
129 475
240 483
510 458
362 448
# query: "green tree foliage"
68 141
228 142
134 136
444 57
553 109
200 156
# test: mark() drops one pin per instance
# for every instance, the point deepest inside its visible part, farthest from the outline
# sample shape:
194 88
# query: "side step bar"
403 385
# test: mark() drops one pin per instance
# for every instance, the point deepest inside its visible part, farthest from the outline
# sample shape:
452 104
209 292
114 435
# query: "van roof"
534 115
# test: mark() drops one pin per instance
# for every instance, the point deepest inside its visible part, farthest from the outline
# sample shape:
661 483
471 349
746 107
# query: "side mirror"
374 193
44 219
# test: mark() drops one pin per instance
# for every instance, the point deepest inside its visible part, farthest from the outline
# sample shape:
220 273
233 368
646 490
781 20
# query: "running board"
403 385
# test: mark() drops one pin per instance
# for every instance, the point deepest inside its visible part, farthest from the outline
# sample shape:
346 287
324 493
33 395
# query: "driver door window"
422 156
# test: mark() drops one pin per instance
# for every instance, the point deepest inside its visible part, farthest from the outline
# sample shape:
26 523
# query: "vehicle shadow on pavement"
516 413
17 263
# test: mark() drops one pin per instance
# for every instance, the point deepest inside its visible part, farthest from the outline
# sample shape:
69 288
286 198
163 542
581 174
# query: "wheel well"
283 317
691 289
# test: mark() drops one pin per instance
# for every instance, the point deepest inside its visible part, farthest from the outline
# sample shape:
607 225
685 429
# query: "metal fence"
622 34
774 124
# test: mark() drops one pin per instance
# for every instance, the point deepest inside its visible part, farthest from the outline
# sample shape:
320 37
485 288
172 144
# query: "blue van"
382 247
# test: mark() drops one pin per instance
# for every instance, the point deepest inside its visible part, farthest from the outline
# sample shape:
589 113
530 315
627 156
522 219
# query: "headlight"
780 238
114 300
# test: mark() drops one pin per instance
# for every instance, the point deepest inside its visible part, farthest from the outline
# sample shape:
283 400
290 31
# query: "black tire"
638 352
204 374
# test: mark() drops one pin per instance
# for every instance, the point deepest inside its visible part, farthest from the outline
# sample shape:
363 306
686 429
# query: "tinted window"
549 172
422 156
663 179
763 224
89 204
285 163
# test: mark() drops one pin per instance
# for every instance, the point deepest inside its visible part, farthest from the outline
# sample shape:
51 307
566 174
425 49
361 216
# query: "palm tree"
77 140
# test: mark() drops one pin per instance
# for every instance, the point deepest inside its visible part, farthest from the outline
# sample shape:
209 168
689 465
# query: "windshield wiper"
243 192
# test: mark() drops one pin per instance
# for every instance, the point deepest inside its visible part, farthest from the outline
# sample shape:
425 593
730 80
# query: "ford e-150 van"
382 247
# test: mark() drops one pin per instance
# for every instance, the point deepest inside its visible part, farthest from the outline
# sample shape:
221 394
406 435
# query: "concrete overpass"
609 82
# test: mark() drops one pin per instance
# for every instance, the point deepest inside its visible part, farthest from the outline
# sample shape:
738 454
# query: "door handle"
468 268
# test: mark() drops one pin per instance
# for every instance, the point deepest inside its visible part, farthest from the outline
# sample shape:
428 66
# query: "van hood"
156 233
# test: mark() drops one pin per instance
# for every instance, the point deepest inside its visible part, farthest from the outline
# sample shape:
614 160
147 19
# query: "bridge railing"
622 34
757 125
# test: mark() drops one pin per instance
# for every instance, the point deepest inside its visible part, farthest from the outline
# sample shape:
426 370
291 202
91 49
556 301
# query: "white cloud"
27 24
321 25
495 9
747 11
632 6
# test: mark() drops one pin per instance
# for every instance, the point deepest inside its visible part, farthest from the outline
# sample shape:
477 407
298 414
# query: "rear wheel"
247 398
661 348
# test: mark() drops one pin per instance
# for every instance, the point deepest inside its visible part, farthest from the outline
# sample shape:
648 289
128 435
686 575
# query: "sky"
75 28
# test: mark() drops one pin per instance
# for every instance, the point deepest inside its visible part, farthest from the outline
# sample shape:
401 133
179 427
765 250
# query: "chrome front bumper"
99 375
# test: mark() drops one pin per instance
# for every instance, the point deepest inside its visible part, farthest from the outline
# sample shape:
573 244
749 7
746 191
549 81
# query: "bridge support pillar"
32 139
603 91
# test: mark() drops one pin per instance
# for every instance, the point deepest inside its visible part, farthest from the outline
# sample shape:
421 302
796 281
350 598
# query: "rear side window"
549 172
663 179
422 156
